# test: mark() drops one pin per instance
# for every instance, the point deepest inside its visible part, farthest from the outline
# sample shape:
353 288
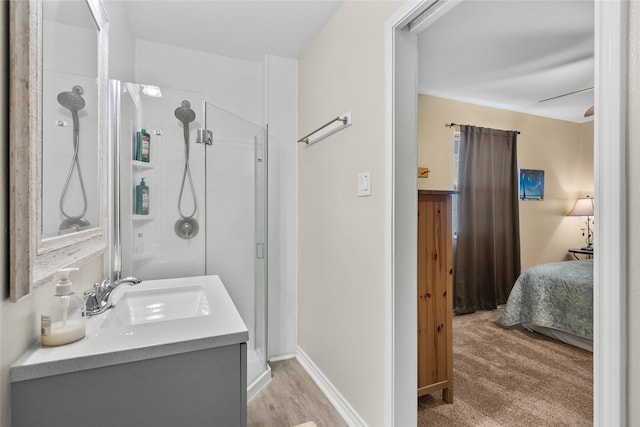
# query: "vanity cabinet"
435 294
197 388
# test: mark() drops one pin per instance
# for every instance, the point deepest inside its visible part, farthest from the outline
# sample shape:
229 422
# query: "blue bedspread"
558 295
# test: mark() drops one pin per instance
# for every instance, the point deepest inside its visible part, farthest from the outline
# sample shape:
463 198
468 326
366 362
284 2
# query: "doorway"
401 201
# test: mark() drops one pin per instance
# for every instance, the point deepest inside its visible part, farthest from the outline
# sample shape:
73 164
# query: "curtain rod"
450 125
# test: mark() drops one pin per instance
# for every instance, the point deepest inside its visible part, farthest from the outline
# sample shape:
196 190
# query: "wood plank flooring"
291 398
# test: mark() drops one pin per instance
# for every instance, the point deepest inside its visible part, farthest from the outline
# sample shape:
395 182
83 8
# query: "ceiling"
504 54
511 55
245 29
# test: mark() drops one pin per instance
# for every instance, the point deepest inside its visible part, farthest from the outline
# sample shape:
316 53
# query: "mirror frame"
33 261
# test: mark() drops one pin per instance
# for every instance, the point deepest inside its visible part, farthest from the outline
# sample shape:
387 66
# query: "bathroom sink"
141 306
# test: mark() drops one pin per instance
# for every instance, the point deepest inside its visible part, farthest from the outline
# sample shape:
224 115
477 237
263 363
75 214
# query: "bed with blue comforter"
556 298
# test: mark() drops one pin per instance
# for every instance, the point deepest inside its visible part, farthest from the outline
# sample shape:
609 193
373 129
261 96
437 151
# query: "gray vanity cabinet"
198 388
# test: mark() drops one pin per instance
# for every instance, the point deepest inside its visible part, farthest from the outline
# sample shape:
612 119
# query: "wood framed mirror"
58 97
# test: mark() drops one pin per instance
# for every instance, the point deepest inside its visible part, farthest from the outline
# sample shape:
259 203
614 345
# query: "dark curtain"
488 245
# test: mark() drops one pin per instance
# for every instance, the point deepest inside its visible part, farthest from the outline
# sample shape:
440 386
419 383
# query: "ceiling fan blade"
589 112
567 94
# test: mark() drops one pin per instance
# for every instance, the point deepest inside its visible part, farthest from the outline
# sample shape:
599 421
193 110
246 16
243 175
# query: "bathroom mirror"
58 97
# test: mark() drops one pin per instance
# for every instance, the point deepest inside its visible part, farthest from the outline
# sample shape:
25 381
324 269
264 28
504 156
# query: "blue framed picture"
531 184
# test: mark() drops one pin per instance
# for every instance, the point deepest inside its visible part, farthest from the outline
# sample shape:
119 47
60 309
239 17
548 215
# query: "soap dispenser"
63 322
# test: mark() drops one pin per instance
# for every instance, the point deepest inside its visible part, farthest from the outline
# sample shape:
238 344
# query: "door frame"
610 264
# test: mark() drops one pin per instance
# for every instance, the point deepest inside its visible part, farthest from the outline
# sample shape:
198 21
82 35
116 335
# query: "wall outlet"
364 184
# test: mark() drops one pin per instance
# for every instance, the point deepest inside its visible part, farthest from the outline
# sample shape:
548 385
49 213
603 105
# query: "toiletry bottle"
63 322
142 198
143 147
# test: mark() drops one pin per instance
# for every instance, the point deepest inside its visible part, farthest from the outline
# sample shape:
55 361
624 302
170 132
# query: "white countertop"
110 346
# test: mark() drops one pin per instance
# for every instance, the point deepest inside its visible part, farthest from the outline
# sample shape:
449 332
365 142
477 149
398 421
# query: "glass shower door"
236 250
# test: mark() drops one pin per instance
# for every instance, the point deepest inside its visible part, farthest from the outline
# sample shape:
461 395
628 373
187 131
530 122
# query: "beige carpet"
511 377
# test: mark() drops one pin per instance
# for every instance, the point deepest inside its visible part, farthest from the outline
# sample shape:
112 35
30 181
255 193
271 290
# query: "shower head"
72 100
184 113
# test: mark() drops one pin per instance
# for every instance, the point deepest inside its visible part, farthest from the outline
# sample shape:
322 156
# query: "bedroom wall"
564 150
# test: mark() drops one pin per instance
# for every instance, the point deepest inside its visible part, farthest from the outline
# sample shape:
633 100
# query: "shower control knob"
186 228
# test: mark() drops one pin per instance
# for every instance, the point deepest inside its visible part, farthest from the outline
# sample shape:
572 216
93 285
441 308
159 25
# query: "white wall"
282 109
341 236
122 46
234 85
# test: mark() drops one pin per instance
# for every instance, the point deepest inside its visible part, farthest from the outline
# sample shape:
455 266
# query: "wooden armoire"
435 294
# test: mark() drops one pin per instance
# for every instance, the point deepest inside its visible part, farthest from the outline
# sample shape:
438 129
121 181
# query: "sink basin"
136 307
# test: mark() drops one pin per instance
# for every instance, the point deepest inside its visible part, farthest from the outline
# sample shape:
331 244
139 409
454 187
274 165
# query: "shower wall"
154 249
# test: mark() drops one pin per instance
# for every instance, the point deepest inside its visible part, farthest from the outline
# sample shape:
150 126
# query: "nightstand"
581 251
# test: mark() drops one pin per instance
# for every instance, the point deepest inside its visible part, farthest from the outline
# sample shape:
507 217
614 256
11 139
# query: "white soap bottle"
63 322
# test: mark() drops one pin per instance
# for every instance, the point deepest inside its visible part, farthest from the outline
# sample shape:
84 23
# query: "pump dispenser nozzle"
64 284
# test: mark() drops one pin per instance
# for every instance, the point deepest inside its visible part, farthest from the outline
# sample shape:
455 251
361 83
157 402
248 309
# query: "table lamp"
584 207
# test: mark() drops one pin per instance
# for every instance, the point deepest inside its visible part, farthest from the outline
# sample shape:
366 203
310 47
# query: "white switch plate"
364 184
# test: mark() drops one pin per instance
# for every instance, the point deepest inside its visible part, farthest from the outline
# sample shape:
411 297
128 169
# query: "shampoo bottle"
143 146
142 198
63 322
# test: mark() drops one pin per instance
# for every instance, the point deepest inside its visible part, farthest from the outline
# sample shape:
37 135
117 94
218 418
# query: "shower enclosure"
204 175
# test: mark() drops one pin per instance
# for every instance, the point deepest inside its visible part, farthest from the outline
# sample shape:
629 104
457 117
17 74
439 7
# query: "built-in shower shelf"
142 217
137 164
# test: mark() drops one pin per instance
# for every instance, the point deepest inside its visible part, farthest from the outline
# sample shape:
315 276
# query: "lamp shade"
583 207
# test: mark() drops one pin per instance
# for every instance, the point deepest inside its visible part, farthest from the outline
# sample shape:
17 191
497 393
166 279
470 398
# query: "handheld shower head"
184 113
72 100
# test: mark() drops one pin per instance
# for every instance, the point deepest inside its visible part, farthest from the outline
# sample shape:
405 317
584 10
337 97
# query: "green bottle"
142 198
143 146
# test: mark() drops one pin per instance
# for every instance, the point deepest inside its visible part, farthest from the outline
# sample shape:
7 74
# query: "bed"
555 299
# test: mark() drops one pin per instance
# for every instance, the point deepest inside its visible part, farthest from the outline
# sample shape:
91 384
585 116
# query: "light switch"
364 184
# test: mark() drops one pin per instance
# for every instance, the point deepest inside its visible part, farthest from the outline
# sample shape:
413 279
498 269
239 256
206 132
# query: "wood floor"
291 398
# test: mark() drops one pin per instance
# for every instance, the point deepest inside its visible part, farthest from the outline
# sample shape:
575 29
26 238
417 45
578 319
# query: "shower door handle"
260 250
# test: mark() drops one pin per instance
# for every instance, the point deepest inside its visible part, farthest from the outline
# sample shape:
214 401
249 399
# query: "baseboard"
282 357
259 383
345 410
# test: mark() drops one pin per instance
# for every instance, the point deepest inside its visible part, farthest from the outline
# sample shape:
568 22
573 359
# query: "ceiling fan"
590 111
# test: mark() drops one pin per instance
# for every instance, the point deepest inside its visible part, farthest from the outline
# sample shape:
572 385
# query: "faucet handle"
92 304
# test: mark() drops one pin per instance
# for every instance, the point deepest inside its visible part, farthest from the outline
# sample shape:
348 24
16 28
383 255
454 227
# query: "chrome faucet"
99 298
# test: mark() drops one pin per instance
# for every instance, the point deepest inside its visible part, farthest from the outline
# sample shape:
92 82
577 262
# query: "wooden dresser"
435 294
